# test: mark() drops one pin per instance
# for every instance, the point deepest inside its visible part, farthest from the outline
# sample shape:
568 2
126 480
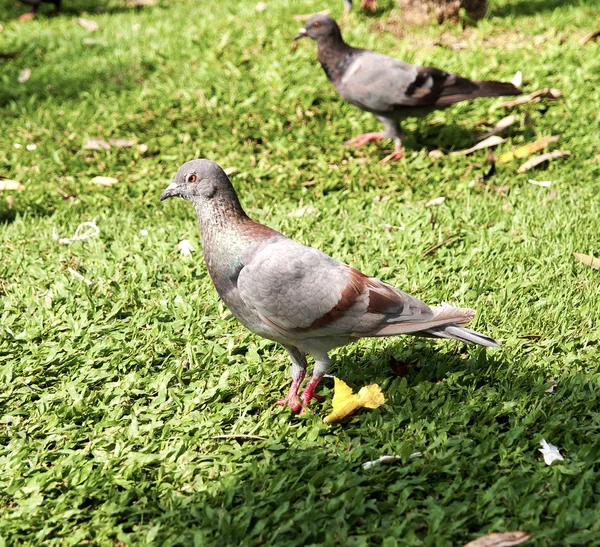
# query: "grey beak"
169 191
301 34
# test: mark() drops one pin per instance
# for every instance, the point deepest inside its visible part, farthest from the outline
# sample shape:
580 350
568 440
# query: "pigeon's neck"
228 235
334 55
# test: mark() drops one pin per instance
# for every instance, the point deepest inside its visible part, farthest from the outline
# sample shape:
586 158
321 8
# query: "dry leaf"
517 79
552 386
533 162
230 170
589 37
104 181
551 195
544 183
90 26
7 184
597 158
303 211
185 247
528 149
142 148
261 6
121 143
94 143
436 154
588 260
345 402
301 18
500 539
500 126
494 140
400 368
24 76
435 201
536 97
141 3
79 276
550 452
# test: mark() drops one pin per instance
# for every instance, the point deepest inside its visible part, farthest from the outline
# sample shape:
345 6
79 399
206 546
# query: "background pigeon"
366 5
297 295
389 88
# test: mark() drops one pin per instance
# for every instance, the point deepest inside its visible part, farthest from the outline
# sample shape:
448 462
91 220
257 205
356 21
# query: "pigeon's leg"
361 140
298 373
26 16
347 7
321 367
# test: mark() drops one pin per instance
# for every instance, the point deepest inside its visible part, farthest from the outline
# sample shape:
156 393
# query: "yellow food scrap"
345 402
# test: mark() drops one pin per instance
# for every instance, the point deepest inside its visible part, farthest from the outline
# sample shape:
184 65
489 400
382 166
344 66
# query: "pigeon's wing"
379 83
302 292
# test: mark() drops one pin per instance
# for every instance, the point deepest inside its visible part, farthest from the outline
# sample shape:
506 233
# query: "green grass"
111 393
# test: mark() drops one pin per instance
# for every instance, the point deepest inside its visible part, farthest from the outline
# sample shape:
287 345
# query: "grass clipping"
345 402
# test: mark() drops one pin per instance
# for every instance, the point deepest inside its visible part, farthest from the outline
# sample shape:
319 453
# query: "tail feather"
462 89
456 332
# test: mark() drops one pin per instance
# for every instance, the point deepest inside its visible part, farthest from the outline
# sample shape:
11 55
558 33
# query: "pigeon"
366 5
389 88
297 295
35 4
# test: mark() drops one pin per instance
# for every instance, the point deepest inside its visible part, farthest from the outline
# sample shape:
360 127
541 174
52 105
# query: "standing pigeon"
296 295
389 88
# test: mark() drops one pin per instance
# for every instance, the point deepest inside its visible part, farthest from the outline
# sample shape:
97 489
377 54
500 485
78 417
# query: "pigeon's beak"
301 34
169 192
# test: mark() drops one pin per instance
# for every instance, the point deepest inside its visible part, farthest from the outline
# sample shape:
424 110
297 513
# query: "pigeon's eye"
192 178
316 24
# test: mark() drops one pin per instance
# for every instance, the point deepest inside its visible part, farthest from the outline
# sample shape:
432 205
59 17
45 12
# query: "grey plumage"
387 87
297 295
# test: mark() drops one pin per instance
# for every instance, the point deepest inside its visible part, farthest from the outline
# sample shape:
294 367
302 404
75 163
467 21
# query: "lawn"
119 365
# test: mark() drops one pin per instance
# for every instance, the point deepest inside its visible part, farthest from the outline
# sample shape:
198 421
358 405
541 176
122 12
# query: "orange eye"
316 24
192 178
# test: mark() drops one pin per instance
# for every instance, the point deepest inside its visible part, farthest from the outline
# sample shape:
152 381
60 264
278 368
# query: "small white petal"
31 147
185 247
143 232
550 452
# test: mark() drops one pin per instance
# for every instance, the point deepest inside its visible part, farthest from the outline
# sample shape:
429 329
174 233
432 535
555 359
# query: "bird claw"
26 17
294 404
361 140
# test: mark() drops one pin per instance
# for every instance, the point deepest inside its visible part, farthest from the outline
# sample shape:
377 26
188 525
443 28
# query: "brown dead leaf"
500 189
7 184
589 37
500 539
400 368
528 149
121 143
435 201
500 126
533 162
94 143
302 18
531 337
435 154
494 140
536 97
104 181
588 260
90 26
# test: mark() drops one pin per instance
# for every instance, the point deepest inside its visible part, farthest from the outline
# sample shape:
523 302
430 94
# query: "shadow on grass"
524 8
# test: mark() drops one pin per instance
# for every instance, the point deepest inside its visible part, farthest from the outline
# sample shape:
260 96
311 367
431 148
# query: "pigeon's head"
319 27
202 182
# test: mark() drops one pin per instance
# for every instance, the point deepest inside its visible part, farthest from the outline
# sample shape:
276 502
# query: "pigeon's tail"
456 332
454 329
462 89
495 89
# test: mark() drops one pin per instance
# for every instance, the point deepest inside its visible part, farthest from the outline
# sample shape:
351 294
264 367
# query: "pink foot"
309 392
361 140
396 155
369 5
26 17
292 397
